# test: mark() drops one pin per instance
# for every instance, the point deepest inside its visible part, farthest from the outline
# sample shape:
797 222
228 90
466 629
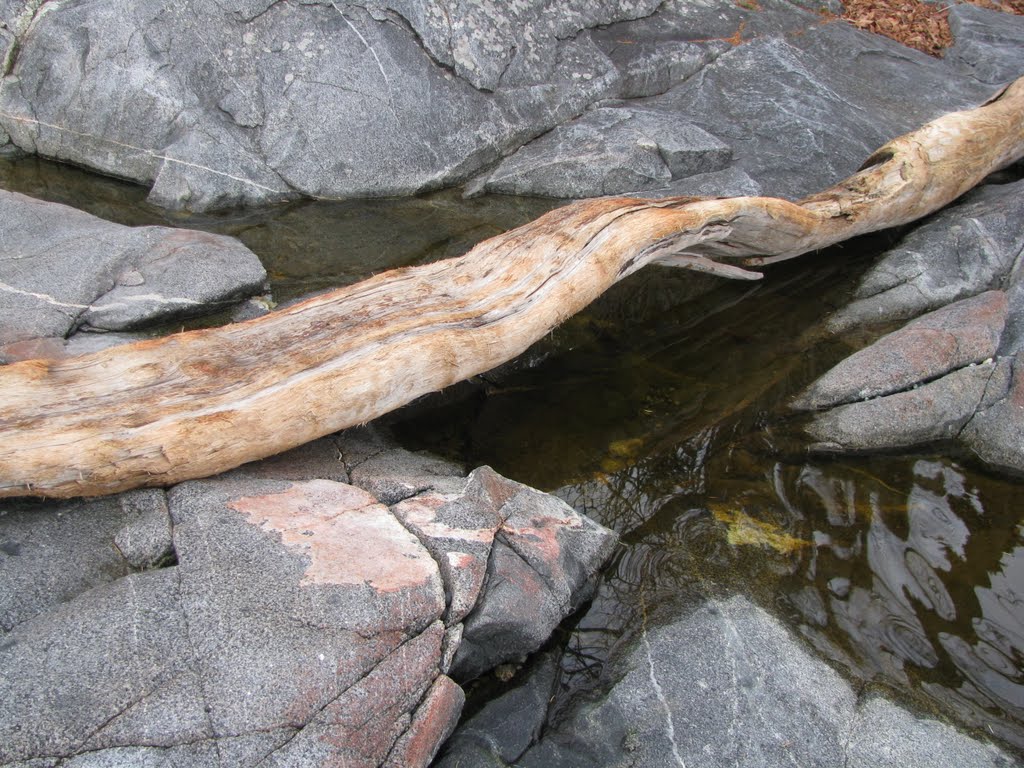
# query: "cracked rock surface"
270 616
725 685
62 269
953 374
214 104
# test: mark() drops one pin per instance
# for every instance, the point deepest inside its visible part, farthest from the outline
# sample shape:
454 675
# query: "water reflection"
918 584
907 572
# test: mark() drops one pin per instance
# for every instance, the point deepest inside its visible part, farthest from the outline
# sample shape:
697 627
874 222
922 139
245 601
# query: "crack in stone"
380 67
670 730
319 710
979 409
148 152
201 683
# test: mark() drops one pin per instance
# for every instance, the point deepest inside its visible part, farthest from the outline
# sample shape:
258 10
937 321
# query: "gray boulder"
726 685
265 617
996 431
50 554
964 249
953 374
797 122
955 336
215 104
62 269
219 104
608 151
986 43
931 412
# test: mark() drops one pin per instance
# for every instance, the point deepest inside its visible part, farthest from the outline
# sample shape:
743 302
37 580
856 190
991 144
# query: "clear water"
661 413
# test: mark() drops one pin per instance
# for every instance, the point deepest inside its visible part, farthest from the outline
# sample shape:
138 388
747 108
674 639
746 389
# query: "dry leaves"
920 25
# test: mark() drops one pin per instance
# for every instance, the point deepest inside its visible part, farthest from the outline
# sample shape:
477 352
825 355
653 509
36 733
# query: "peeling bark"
195 404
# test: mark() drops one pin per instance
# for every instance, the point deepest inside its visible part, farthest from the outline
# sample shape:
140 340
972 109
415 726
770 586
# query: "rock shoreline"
277 615
259 618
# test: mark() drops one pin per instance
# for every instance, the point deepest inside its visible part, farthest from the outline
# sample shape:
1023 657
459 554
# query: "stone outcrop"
725 685
986 43
258 101
215 104
62 270
954 373
277 615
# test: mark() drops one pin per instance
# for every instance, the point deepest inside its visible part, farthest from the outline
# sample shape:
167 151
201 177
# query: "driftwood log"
198 403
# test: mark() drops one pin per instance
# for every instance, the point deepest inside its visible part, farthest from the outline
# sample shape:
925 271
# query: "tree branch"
195 404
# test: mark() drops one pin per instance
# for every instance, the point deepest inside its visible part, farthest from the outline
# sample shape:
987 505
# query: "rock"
728 685
936 411
608 151
965 249
931 346
515 561
507 726
798 123
318 460
994 432
950 375
253 101
986 43
250 102
731 182
62 269
492 43
86 669
885 735
296 620
396 474
145 541
656 52
51 553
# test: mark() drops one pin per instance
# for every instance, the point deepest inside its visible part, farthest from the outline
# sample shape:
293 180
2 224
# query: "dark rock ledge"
311 609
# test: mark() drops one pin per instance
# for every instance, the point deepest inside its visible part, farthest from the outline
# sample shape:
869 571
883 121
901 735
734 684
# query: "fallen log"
195 404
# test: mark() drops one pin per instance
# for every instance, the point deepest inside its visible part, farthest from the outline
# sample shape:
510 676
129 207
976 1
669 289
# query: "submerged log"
195 404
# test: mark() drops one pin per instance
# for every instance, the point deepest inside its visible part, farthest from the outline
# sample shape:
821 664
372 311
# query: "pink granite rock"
933 345
303 623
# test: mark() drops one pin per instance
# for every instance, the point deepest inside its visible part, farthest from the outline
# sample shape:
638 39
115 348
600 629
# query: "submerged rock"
62 269
726 685
295 620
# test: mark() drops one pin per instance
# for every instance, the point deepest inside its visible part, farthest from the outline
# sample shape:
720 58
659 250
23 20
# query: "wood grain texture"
198 403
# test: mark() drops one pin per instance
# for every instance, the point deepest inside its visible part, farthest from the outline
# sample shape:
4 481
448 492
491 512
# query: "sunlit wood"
195 404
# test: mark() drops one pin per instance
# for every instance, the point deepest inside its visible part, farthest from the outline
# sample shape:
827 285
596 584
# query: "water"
661 412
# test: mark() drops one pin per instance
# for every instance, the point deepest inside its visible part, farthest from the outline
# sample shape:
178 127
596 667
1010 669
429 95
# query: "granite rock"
267 616
608 151
243 102
798 123
986 43
951 375
62 269
725 685
960 334
253 101
963 250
